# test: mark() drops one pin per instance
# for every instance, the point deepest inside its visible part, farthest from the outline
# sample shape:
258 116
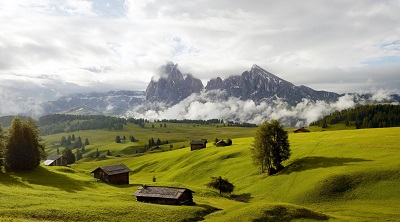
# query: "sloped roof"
53 157
160 192
48 162
114 169
302 129
197 142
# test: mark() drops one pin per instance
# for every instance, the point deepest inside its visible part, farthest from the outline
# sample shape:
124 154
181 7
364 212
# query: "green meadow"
332 175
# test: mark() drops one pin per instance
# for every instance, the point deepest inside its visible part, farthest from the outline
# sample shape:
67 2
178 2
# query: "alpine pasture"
339 175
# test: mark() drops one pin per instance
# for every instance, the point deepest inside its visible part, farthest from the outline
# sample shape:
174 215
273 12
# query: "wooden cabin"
164 195
114 174
198 144
55 160
301 130
221 143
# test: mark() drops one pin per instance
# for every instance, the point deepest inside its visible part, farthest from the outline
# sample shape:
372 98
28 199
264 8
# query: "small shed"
115 174
301 130
164 195
198 144
55 160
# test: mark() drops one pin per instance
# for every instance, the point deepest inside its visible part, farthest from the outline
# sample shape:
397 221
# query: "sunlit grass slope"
347 175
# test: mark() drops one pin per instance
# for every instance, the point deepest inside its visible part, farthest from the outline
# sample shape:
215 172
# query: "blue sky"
66 46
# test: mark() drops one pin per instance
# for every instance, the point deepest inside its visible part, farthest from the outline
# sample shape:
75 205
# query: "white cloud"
209 105
334 46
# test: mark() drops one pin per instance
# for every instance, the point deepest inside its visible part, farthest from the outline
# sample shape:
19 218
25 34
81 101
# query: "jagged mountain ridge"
258 85
172 86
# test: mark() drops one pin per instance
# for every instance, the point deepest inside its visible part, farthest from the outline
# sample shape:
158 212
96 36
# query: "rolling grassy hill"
346 175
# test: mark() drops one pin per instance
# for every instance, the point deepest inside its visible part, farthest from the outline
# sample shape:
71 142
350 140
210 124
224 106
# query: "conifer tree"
97 153
78 155
69 156
23 149
87 141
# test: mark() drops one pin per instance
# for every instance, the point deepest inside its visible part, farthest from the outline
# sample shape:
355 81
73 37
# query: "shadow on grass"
207 209
244 197
44 177
287 214
7 180
315 162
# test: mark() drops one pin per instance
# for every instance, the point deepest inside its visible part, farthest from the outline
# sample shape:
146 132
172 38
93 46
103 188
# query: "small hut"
198 144
55 160
115 174
301 130
164 195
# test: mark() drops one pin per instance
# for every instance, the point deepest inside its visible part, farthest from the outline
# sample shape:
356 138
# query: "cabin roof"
114 169
160 192
197 142
48 162
53 157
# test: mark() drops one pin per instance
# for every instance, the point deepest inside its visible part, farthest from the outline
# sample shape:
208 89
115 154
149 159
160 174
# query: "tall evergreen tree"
78 155
23 149
87 141
69 156
118 139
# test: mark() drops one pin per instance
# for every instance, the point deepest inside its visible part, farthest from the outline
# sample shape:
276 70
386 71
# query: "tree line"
368 116
60 123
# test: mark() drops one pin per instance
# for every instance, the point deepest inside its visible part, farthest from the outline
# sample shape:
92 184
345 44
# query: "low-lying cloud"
211 105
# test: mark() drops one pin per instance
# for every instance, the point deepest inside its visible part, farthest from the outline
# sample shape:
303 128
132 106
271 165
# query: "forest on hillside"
368 116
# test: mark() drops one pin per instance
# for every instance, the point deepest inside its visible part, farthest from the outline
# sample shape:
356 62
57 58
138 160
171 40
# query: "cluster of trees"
119 139
154 143
271 147
72 142
369 116
58 123
21 148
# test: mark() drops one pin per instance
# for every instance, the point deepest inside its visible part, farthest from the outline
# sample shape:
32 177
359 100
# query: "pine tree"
108 153
69 156
97 153
83 148
118 139
78 155
87 141
73 137
23 149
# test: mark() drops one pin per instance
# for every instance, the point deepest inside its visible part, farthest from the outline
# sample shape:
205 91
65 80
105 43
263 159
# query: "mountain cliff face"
171 86
258 84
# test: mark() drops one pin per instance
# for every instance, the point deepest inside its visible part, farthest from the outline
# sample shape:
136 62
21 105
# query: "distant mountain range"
171 86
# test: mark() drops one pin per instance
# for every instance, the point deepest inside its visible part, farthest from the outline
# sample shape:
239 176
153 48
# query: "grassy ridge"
336 175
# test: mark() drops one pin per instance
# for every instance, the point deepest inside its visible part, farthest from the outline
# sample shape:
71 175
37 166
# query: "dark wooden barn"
55 160
164 195
198 144
301 130
115 174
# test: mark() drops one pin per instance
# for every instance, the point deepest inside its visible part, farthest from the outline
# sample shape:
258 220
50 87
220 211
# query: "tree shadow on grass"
44 177
315 162
7 180
244 197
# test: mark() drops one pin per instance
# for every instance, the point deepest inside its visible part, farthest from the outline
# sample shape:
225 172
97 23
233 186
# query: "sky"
50 48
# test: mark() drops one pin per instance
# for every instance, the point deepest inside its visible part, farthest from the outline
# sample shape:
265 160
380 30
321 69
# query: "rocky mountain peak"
170 86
